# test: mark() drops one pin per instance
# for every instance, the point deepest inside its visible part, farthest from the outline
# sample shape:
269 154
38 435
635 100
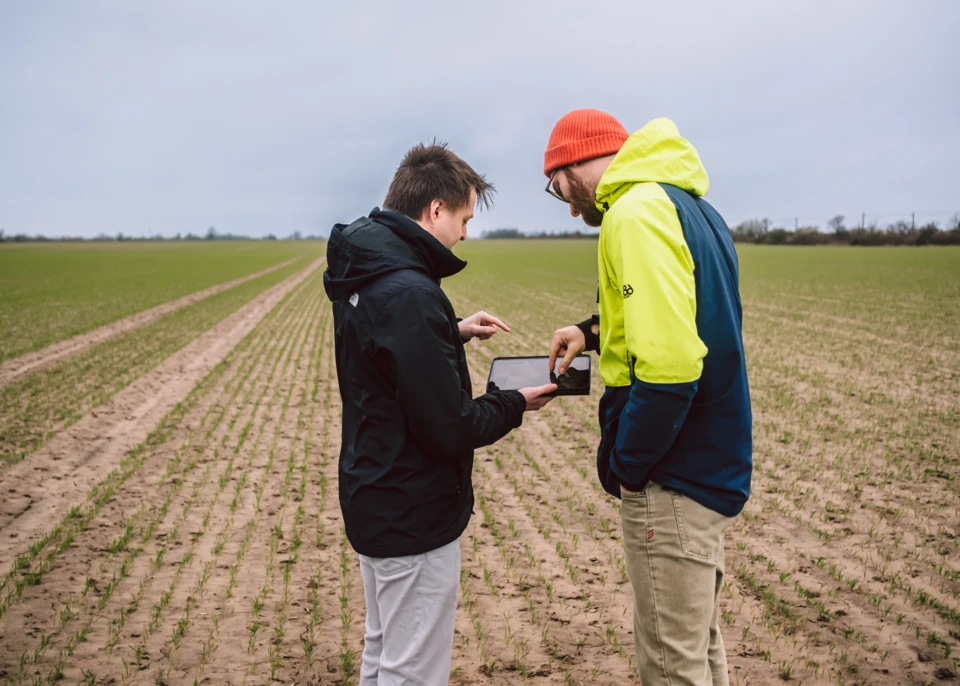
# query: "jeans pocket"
700 528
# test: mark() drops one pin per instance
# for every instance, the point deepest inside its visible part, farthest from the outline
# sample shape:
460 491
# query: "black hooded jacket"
410 422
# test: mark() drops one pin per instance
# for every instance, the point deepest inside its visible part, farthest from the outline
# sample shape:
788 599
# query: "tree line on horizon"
757 231
211 235
897 233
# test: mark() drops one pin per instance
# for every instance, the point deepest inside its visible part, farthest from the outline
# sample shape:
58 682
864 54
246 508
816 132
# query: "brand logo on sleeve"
354 299
627 291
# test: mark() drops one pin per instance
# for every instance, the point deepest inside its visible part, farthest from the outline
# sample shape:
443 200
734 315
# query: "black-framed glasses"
555 192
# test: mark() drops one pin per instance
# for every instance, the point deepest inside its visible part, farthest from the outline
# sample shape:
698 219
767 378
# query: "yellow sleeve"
655 272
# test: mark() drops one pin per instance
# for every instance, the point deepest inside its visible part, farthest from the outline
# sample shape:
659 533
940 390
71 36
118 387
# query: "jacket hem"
414 548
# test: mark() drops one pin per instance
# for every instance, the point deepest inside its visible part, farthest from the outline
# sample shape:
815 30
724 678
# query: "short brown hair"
433 172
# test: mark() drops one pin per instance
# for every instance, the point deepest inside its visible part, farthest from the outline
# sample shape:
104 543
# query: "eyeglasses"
555 192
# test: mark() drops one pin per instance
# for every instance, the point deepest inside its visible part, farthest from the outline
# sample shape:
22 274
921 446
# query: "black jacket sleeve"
414 337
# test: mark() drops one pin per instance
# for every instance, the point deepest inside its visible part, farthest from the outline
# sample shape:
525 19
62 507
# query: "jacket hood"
382 243
656 153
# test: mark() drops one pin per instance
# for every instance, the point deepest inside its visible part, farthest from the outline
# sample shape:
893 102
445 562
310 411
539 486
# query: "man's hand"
538 397
568 343
480 325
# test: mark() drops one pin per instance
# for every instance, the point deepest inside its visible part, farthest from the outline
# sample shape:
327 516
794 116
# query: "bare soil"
60 474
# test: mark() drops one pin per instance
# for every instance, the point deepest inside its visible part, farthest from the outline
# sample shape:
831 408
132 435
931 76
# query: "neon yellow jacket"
677 406
648 303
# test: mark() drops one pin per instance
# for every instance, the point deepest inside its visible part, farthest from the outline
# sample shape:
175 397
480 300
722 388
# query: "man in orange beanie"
675 418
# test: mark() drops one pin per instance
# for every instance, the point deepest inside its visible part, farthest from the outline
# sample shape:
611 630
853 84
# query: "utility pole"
796 223
863 220
913 221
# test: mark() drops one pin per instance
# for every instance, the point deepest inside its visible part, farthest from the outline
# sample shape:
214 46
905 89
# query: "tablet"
514 373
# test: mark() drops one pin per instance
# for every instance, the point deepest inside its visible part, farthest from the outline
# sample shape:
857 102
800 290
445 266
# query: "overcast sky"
260 117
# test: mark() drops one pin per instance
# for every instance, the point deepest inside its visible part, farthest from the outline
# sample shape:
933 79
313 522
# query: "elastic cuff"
591 339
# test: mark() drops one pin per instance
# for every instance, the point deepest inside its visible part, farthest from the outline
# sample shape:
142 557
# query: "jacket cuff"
519 406
592 339
631 484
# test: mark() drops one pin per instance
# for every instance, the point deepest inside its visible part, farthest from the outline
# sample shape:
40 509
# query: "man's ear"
430 213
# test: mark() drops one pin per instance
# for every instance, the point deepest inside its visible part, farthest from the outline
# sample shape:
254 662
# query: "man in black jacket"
410 422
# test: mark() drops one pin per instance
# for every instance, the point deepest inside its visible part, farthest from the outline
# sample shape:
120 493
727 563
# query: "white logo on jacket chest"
354 299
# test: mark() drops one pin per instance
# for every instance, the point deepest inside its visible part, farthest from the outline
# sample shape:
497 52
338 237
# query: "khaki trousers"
674 555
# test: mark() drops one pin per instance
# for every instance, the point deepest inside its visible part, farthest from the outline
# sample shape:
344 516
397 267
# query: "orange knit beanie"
583 135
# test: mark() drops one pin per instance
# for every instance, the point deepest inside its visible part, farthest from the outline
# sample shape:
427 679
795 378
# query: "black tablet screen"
513 373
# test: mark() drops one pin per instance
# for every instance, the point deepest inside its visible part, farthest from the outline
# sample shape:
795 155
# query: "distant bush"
502 233
774 237
809 235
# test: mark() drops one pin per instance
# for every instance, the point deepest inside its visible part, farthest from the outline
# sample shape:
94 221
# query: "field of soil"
169 508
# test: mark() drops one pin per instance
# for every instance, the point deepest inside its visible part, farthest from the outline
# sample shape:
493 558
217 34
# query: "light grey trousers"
674 555
411 607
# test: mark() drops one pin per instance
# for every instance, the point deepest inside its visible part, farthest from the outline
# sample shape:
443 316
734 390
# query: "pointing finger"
490 319
556 347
